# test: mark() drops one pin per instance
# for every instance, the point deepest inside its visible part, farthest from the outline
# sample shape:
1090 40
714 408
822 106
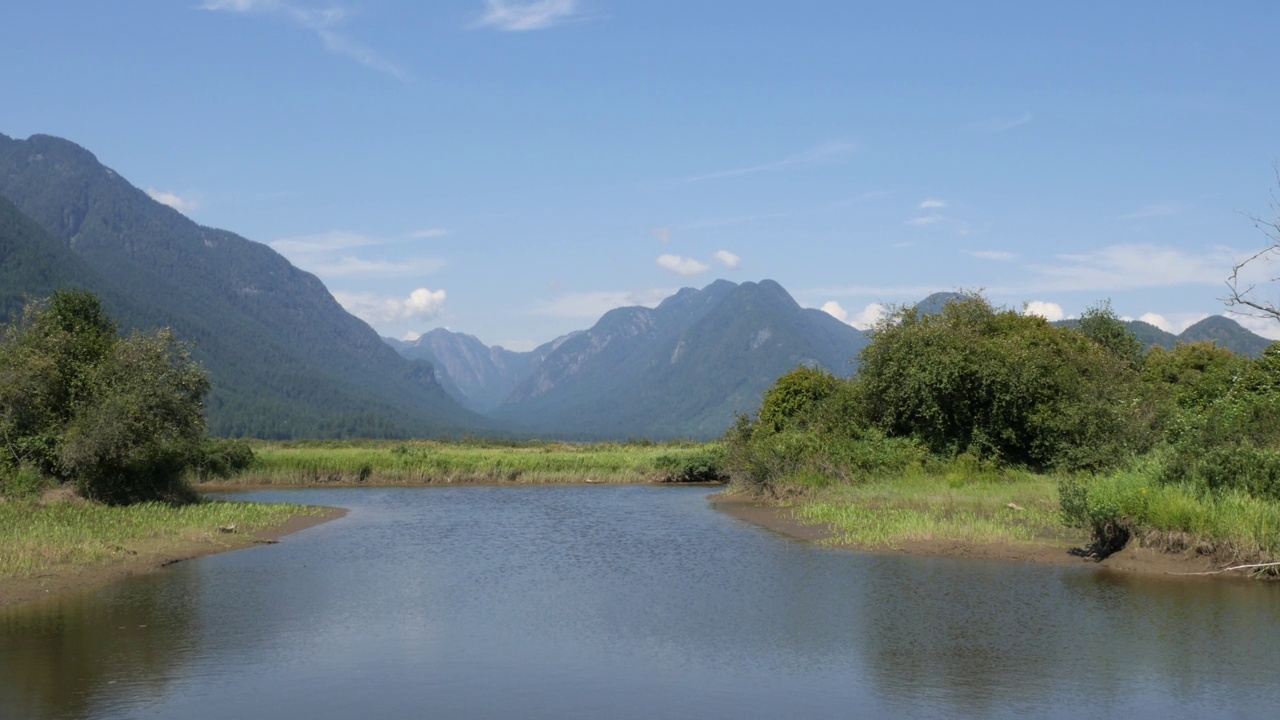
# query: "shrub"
705 465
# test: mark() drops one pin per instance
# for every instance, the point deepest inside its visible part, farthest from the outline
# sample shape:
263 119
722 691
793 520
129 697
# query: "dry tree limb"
1229 569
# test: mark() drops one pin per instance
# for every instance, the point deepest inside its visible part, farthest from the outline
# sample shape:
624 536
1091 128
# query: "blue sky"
513 169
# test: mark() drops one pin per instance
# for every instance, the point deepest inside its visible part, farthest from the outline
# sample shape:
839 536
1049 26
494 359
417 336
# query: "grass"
429 462
1231 525
36 537
931 506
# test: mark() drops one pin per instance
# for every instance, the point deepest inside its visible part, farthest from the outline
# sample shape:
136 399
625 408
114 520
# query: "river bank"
69 545
1062 549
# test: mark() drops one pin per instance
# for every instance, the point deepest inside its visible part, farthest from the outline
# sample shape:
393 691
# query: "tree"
121 418
1100 324
1000 385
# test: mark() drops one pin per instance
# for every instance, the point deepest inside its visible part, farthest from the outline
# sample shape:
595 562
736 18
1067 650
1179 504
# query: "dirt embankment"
147 557
1130 559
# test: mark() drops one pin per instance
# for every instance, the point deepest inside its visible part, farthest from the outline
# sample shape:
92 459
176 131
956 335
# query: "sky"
513 169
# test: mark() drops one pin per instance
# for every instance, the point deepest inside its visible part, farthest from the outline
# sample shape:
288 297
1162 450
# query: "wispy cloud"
333 254
683 266
354 266
828 153
1121 267
925 220
173 200
524 16
324 23
932 204
428 233
997 255
1150 211
997 124
595 304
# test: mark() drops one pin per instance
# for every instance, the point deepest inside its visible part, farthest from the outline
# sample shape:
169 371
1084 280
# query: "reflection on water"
626 602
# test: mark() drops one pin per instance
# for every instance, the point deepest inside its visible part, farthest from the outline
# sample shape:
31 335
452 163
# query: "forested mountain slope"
285 359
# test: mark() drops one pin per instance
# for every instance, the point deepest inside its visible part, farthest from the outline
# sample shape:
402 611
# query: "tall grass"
429 462
947 504
36 537
1231 524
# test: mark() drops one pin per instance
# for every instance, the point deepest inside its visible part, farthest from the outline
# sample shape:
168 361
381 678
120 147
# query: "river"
626 602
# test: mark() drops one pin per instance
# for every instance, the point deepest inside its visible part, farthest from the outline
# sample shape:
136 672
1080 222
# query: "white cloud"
1158 320
173 200
421 304
932 204
727 259
662 234
1049 311
1120 267
595 304
683 266
830 152
997 255
925 220
429 233
520 17
410 336
832 308
328 255
322 22
864 320
1266 327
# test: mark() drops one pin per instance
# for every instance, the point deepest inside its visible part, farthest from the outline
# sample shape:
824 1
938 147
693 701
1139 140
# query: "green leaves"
119 417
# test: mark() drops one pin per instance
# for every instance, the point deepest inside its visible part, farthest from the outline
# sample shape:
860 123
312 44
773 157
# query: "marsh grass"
35 537
1231 526
950 504
433 462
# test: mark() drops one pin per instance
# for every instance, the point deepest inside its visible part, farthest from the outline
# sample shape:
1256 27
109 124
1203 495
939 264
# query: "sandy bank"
148 556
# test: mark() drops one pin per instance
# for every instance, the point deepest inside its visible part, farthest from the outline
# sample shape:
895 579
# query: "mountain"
34 264
1227 333
686 368
476 375
284 358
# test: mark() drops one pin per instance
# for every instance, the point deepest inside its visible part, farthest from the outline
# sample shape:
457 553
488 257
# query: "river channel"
626 602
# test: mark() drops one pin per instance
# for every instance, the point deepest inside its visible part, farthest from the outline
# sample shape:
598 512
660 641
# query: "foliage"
1002 386
119 417
1100 324
705 465
793 395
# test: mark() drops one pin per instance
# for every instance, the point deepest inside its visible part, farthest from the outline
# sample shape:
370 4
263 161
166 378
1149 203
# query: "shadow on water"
67 656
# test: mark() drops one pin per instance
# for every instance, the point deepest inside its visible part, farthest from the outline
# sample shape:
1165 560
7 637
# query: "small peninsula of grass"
430 462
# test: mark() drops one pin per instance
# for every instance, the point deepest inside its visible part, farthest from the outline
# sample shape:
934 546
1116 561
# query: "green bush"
705 465
121 418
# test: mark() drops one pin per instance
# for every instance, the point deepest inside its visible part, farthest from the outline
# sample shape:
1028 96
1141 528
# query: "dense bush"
1004 387
705 465
118 417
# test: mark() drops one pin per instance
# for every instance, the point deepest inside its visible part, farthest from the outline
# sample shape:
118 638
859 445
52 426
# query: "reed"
425 462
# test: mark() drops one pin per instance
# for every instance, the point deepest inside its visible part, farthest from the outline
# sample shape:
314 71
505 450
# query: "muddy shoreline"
1131 559
149 557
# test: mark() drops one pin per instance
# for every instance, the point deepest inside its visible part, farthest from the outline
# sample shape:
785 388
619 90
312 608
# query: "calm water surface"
640 602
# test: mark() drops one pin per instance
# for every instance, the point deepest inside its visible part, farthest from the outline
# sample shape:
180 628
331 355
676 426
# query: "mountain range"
287 361
683 369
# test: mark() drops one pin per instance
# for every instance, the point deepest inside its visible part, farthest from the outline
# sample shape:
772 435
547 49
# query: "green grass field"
422 462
